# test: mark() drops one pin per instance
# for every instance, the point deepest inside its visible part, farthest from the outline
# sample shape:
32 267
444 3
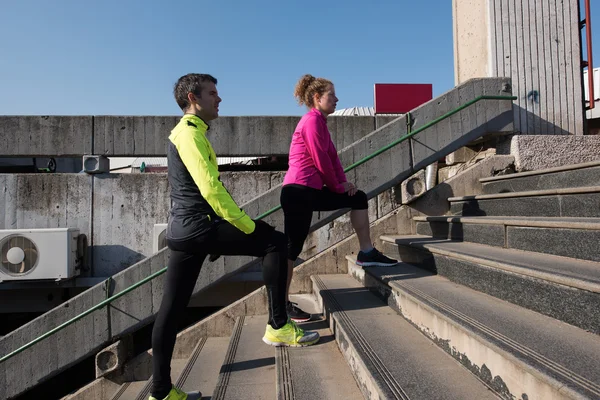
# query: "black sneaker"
296 314
374 258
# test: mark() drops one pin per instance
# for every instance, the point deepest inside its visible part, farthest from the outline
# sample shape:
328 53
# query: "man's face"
208 102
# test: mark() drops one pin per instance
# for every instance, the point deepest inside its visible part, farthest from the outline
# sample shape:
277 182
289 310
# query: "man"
205 219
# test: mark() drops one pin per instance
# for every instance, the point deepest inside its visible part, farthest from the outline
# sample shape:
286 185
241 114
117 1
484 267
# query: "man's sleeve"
194 154
317 142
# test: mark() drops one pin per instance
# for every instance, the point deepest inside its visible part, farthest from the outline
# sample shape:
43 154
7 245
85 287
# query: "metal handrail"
271 211
590 61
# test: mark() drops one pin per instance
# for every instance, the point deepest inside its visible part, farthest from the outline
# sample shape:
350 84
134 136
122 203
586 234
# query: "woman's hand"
349 188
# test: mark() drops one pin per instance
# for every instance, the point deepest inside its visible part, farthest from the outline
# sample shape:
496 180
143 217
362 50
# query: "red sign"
399 98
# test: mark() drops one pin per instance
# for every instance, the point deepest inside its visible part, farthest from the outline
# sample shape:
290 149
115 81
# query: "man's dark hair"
190 83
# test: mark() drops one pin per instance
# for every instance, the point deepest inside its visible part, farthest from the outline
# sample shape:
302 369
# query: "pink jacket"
313 159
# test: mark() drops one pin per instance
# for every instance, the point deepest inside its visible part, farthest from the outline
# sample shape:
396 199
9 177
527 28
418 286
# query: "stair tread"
505 324
409 357
530 193
572 272
541 172
251 373
540 222
141 389
204 371
320 371
129 390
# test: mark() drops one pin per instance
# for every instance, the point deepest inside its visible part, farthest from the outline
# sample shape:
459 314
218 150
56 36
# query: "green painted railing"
271 211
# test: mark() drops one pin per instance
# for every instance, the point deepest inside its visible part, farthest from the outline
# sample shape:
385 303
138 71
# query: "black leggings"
184 266
299 202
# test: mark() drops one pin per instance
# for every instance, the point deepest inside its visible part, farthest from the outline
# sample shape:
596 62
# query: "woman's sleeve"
317 141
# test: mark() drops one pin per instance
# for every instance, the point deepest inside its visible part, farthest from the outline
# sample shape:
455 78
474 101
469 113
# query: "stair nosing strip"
531 193
572 282
225 374
285 387
545 171
391 382
191 362
121 390
520 223
552 365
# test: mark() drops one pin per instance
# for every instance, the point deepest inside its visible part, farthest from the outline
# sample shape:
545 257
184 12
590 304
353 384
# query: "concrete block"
38 136
113 357
413 187
535 152
462 155
448 172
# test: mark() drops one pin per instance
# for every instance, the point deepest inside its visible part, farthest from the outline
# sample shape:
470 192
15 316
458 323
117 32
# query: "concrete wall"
471 44
123 136
117 212
534 42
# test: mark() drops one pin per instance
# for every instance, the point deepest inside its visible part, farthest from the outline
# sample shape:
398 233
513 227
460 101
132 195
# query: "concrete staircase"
137 308
241 366
513 294
468 314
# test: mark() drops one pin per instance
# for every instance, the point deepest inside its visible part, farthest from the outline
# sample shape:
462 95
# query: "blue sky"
122 57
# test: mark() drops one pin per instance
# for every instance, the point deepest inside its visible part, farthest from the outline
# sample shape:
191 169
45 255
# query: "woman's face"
327 101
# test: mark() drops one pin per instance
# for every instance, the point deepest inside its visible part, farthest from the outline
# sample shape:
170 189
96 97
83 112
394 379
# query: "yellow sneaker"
289 335
176 394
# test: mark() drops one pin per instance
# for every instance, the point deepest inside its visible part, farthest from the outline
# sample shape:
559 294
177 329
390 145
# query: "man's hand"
349 188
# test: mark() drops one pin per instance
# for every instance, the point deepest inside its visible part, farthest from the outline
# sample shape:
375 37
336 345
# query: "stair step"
568 237
129 390
388 357
248 370
140 390
315 372
570 202
202 370
520 353
579 175
563 288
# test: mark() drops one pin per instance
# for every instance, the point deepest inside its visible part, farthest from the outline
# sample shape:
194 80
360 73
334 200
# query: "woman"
315 181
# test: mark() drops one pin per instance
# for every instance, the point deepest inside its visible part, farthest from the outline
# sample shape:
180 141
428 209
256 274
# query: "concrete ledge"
114 136
41 136
536 152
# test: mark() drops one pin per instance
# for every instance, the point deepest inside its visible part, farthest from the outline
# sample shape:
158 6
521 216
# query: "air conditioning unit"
159 237
41 254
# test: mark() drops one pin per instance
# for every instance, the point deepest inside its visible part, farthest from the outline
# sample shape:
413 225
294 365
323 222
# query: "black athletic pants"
184 266
299 202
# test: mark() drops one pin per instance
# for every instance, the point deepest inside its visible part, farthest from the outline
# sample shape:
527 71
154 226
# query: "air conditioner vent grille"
19 255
